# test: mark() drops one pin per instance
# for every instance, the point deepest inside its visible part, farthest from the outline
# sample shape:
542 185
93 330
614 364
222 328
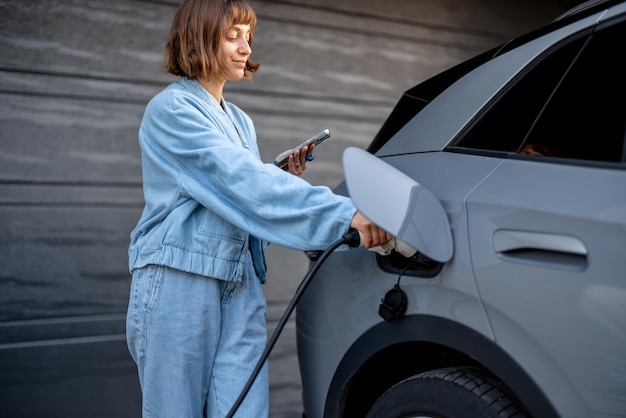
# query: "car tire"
447 393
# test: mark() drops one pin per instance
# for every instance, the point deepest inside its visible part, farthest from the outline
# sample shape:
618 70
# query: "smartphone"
282 159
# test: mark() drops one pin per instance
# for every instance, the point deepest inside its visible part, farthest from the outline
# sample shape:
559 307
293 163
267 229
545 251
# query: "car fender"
446 333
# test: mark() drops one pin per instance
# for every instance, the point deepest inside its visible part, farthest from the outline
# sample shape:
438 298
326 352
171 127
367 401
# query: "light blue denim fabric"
196 340
208 196
195 321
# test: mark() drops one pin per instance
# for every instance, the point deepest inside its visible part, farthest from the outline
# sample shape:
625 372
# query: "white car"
506 177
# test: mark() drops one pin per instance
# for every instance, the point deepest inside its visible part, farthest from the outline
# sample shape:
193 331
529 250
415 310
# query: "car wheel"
446 393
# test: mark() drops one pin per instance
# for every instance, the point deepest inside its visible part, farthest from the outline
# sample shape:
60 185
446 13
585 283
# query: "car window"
586 117
570 104
505 123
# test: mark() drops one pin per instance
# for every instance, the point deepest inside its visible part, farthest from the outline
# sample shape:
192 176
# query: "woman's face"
236 51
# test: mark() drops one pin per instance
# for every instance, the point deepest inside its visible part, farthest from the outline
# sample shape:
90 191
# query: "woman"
196 315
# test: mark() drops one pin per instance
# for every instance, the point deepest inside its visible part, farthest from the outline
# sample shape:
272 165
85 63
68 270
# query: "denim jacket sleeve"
207 190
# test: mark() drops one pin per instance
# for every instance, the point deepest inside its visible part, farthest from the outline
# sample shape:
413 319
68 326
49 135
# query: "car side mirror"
398 204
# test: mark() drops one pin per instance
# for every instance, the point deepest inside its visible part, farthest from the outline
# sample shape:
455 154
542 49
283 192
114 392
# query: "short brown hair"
195 40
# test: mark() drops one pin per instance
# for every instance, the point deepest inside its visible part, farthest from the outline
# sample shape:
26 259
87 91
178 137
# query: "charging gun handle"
353 238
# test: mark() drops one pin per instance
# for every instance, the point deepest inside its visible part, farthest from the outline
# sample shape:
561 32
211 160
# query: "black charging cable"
350 238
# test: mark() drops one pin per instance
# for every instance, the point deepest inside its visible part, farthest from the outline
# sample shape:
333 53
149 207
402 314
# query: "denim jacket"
209 198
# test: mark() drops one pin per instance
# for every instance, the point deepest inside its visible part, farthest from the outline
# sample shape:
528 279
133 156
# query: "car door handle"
540 247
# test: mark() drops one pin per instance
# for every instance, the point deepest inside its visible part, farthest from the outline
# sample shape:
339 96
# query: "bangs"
240 13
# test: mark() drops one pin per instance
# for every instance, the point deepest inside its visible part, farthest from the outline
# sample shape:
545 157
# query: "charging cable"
351 238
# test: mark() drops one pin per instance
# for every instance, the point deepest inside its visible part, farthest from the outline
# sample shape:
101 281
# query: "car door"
547 230
547 245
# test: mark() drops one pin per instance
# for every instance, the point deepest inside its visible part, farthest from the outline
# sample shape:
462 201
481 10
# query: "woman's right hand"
297 160
371 234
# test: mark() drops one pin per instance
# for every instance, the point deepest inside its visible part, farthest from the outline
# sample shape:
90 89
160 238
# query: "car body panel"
450 295
535 291
325 341
528 285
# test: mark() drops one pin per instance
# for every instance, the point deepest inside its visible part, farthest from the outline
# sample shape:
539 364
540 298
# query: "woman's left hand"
298 160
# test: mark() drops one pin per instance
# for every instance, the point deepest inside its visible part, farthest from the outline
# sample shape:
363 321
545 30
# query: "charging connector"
395 244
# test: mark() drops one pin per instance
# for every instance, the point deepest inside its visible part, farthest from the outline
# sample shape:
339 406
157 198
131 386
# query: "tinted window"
572 104
509 118
586 117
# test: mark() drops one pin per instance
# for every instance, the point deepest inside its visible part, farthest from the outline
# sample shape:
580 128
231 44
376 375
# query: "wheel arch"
390 352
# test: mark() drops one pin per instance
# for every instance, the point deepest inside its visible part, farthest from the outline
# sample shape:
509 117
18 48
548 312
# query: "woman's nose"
244 47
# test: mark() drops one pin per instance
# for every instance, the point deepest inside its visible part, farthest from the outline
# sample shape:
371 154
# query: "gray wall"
75 76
